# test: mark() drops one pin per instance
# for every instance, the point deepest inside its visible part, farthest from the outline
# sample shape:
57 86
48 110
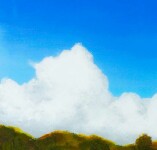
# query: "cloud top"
70 92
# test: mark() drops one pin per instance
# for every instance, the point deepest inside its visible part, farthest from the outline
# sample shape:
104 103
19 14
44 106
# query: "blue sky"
121 34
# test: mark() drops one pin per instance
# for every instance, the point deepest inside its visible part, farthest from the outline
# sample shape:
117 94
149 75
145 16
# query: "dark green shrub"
144 142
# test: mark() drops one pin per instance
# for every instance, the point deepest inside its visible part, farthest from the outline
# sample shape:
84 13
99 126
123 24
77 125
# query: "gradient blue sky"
121 34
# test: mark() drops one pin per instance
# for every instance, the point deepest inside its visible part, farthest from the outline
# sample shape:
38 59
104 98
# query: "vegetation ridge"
13 138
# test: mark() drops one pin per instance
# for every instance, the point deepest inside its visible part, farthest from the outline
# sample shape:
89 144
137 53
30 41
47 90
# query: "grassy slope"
15 139
155 145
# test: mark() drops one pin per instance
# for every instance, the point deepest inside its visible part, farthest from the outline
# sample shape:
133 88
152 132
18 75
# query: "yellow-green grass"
13 138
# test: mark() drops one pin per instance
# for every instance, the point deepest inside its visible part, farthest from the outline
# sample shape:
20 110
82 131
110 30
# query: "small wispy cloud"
3 51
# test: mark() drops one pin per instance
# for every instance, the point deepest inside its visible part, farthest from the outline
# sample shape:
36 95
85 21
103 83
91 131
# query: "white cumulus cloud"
69 92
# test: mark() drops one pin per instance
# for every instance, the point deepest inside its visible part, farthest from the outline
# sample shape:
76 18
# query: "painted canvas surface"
78 75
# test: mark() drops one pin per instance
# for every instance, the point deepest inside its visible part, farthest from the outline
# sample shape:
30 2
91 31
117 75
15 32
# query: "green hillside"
12 138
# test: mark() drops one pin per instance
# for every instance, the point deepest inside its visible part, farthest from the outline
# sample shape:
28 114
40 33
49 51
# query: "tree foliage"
14 139
144 142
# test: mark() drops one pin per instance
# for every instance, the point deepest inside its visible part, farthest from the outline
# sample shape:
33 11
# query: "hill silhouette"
12 138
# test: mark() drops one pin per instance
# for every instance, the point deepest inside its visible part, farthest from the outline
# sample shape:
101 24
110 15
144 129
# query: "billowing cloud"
69 92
